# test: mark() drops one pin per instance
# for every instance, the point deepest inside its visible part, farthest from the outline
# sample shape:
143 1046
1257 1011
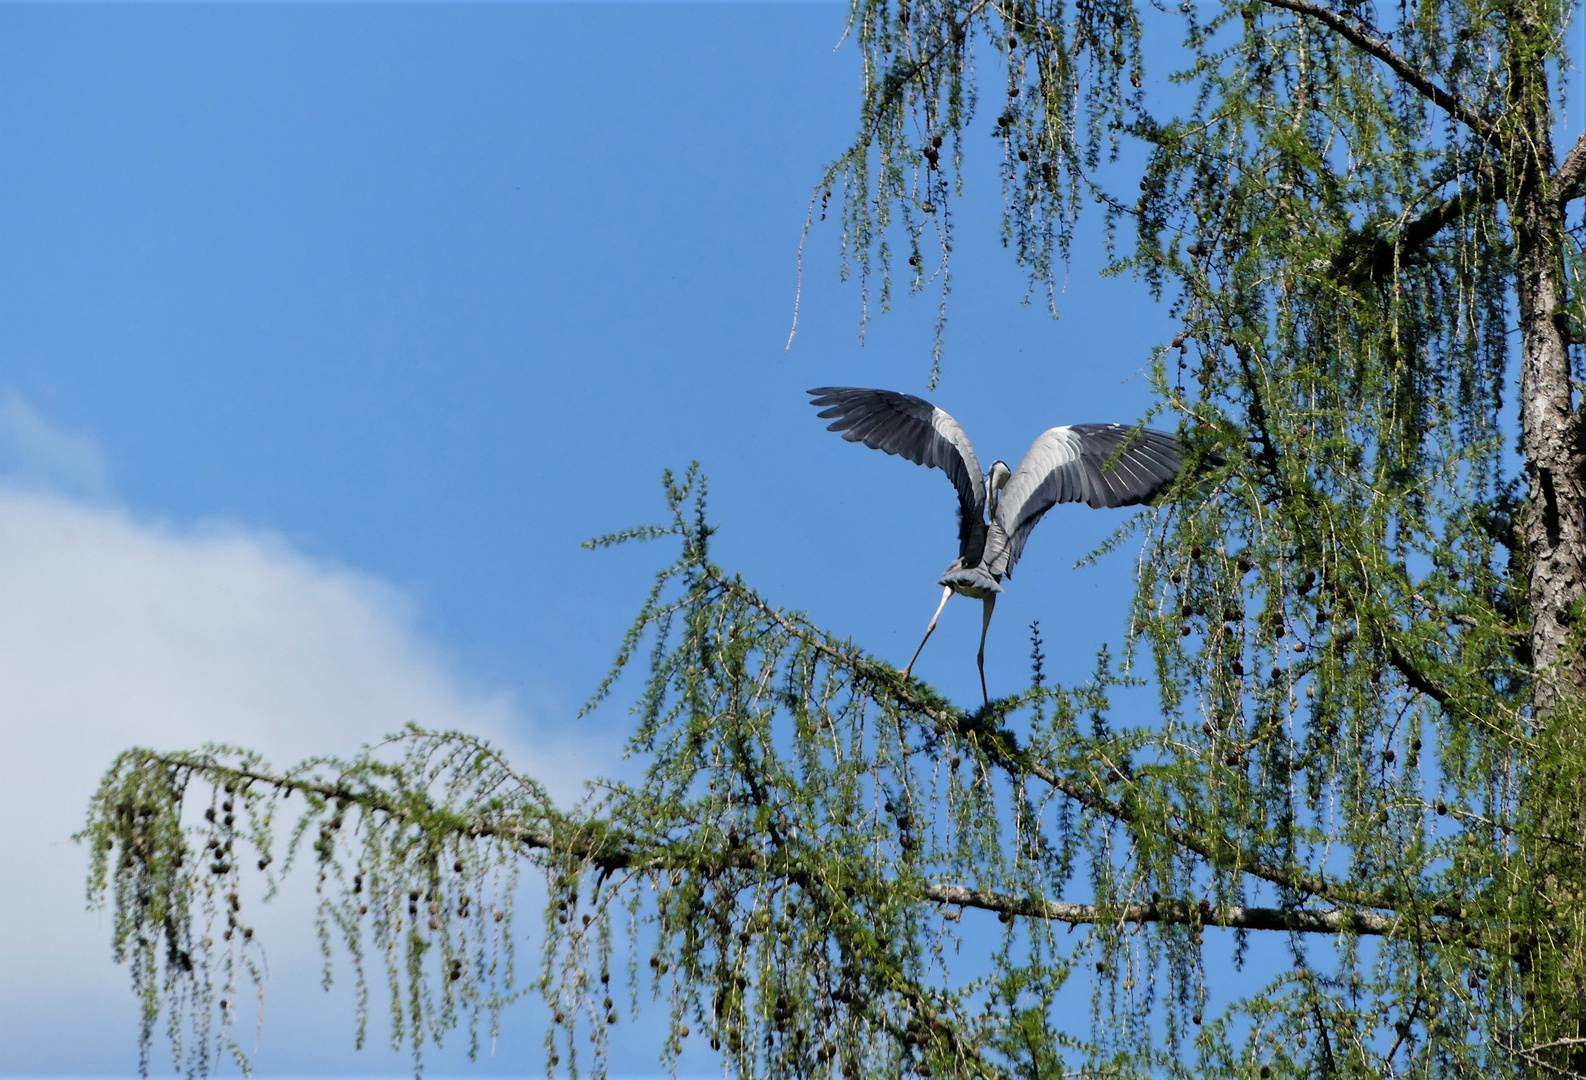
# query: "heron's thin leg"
946 592
985 624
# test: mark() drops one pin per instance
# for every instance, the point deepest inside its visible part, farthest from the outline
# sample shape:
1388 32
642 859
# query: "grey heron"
1103 465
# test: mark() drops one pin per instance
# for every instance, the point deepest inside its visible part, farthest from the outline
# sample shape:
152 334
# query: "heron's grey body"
1102 465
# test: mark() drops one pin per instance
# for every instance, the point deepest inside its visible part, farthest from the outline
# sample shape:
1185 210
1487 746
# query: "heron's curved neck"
996 480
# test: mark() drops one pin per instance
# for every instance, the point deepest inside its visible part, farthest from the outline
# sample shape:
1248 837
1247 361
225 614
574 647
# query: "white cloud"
117 632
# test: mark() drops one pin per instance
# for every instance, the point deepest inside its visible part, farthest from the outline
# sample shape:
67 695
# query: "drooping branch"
610 850
895 80
1375 46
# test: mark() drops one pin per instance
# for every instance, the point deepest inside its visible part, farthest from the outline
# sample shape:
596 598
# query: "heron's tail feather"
973 581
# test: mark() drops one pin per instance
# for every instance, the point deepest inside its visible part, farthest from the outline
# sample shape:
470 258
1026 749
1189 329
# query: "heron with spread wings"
1102 465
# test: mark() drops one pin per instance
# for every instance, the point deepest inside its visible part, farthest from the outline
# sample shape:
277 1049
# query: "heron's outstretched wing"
1100 464
912 428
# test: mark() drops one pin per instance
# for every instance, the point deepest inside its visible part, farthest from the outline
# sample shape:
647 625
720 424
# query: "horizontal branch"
1231 916
1380 254
612 851
1379 48
1420 230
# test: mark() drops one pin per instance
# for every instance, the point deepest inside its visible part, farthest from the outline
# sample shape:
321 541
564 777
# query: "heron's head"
996 480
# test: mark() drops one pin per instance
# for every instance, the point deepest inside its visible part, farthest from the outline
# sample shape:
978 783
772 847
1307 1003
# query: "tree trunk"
1555 523
1553 975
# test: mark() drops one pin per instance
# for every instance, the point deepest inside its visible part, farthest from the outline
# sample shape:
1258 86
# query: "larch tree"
1361 605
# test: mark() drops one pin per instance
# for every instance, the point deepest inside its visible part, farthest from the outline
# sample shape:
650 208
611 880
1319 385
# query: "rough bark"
1554 537
1554 534
1555 525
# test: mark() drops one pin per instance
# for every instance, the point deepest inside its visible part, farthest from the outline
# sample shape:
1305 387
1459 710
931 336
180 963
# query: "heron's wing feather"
1098 464
913 429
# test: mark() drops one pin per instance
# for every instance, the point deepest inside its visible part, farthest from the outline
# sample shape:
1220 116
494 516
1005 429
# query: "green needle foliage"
814 842
1359 607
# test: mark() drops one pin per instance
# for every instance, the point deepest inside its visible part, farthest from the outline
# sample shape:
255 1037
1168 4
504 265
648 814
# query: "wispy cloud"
36 454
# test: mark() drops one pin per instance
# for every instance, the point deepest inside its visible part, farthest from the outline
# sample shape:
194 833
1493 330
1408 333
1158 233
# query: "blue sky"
327 332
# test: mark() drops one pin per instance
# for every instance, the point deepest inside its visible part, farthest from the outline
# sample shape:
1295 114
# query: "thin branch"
1531 1054
1379 48
1416 678
1183 912
1556 1044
